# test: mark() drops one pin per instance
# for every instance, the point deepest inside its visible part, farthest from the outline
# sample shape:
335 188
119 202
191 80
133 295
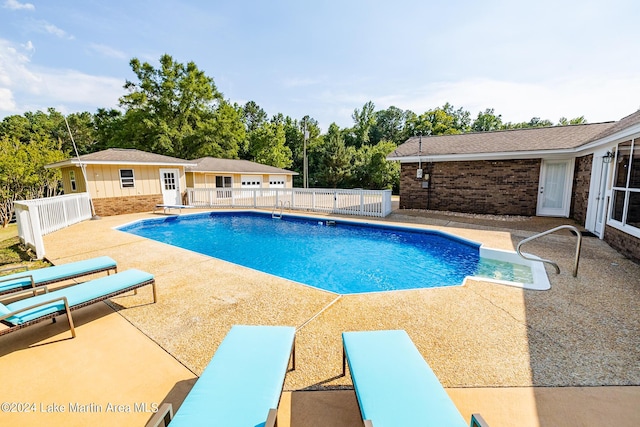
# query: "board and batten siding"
104 180
66 180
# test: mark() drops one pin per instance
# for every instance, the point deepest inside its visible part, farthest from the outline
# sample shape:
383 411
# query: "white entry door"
554 187
596 209
170 183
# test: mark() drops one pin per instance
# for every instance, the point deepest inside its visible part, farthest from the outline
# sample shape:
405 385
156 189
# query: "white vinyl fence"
39 217
348 202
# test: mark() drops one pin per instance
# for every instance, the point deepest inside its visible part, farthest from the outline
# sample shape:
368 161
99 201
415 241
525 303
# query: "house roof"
122 156
515 143
211 164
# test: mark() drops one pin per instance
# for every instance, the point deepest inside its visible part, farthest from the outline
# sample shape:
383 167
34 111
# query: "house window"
126 178
625 202
223 181
72 179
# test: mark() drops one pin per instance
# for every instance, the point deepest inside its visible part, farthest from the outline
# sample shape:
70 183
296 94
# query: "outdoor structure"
210 172
125 180
588 172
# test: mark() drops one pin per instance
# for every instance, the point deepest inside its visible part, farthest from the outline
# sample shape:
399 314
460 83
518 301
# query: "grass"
12 254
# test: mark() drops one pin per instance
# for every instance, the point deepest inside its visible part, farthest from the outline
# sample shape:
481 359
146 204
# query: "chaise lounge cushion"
394 384
77 294
243 380
56 272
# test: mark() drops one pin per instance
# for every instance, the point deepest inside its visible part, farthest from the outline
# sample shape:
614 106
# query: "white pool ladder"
544 233
282 206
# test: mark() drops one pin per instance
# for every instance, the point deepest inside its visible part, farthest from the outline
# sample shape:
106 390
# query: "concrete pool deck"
568 356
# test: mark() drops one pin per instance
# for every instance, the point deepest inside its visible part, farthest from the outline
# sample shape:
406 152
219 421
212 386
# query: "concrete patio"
569 356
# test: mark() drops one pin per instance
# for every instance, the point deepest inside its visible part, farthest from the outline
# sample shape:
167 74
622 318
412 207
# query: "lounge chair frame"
67 309
26 275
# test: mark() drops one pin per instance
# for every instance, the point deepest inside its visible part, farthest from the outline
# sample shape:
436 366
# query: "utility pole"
305 165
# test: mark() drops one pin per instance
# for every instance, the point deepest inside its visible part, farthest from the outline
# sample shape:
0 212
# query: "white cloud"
7 103
52 29
108 51
16 5
25 87
29 47
593 97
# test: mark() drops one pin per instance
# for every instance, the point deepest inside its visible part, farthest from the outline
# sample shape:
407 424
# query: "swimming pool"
344 257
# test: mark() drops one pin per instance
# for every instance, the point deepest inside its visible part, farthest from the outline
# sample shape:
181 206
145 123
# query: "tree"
167 107
487 121
267 146
22 172
330 159
575 121
439 121
389 125
372 170
364 121
253 116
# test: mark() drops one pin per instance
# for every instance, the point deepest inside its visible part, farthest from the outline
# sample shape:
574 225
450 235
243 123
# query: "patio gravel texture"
582 332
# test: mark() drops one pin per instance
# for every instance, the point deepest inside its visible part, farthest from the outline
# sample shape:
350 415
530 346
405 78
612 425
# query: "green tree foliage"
22 172
372 170
391 125
487 121
563 121
535 122
267 146
364 121
439 121
330 160
172 110
294 139
253 116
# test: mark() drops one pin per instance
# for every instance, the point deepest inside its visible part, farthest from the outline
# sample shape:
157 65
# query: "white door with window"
170 183
554 188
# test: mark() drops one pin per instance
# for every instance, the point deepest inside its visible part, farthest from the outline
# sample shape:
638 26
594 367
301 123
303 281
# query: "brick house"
588 172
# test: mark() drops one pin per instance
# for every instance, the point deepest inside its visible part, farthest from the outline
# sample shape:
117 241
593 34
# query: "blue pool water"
345 258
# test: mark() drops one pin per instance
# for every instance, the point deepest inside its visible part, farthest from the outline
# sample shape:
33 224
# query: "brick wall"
123 205
581 182
624 243
485 187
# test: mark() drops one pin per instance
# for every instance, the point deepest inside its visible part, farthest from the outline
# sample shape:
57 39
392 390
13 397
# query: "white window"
625 195
223 181
72 179
126 178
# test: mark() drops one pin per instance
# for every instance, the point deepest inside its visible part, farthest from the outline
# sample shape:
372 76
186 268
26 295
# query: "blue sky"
325 58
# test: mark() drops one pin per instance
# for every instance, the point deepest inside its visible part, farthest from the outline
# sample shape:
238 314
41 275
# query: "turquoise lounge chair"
394 385
242 384
47 305
57 273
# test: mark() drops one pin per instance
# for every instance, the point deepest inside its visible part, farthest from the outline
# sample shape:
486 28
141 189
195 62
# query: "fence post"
36 233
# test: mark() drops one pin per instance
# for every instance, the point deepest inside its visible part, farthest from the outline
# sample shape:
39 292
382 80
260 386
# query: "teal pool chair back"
242 384
44 276
394 385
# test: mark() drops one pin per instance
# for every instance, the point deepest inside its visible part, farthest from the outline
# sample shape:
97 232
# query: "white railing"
39 217
348 202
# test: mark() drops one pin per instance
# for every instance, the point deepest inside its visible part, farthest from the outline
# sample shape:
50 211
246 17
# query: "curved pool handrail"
553 230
